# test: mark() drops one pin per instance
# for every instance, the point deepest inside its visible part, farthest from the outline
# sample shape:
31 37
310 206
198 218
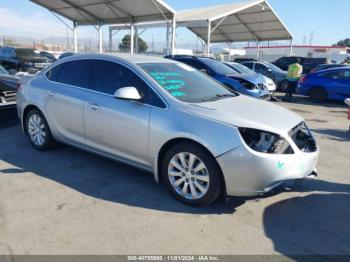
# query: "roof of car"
134 59
141 58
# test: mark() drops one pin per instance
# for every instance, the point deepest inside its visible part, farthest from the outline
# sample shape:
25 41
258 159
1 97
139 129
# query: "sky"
327 19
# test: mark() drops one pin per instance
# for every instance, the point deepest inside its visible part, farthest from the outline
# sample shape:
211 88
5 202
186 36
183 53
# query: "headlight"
28 63
265 142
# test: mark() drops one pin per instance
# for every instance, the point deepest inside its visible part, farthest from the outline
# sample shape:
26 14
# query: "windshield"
241 68
274 67
218 67
185 83
3 71
25 52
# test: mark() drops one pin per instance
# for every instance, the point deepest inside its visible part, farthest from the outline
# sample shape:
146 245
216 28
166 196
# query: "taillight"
349 114
302 79
18 86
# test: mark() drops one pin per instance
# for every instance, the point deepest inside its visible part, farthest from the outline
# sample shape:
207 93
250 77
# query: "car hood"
252 78
8 82
243 111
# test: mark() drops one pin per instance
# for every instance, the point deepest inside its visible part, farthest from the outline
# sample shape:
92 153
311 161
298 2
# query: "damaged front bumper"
249 173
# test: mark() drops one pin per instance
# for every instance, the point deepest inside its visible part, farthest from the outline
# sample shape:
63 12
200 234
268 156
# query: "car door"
263 69
116 127
66 92
343 84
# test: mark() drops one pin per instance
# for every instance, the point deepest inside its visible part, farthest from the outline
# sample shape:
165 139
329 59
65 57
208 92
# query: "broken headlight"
265 142
303 138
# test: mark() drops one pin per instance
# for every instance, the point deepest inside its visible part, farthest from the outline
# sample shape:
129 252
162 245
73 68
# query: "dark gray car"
270 70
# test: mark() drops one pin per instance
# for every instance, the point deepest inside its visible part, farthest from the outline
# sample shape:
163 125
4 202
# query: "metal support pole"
258 51
208 41
110 39
132 35
291 48
75 37
173 36
136 40
229 51
100 39
167 40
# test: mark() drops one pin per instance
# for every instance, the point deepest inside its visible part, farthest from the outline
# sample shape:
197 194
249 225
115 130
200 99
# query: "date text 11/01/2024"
173 258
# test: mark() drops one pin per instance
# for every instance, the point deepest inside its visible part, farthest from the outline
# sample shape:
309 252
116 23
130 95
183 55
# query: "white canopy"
97 12
237 22
101 12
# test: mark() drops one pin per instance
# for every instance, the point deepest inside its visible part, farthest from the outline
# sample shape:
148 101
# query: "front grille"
303 138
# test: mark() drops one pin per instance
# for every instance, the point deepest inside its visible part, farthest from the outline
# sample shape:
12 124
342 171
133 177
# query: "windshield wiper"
217 97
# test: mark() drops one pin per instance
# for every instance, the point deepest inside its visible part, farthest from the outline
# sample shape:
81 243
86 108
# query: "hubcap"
36 130
188 175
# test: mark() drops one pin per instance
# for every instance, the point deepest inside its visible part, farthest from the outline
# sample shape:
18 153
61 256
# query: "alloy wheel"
188 175
36 130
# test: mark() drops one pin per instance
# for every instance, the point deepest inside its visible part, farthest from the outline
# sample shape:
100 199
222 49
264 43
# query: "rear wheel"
192 174
38 130
318 95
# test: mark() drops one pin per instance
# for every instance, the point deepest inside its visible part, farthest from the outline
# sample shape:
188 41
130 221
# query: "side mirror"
269 70
347 101
128 93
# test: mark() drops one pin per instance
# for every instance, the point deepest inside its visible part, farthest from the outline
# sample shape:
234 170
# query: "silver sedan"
196 136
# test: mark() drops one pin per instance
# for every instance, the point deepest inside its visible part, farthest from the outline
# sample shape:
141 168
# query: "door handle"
51 93
94 106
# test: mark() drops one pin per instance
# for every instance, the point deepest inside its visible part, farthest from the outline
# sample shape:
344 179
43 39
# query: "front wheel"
38 130
192 174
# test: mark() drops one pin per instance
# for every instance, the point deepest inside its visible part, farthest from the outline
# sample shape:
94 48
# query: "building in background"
272 53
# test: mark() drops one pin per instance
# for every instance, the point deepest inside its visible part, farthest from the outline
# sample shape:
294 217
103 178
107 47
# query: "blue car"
331 84
242 83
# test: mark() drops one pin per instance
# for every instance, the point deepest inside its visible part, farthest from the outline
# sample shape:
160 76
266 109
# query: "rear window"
74 73
53 73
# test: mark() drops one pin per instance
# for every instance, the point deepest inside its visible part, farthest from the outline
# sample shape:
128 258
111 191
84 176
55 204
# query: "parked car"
244 59
308 63
48 55
229 77
8 84
64 55
168 118
311 63
258 79
284 62
327 66
328 84
271 71
22 59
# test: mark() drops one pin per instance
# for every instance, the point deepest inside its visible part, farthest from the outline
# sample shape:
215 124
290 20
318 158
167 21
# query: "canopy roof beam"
80 9
257 38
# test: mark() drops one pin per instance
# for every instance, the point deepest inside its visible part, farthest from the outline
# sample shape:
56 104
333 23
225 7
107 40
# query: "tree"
345 43
125 44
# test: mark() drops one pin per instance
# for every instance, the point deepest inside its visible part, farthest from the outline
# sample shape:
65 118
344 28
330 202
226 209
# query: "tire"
283 85
202 186
318 95
38 131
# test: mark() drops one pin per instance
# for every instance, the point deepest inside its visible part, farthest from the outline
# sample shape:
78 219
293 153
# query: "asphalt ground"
66 201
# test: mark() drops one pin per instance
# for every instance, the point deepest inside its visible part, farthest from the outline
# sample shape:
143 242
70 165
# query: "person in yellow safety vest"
293 76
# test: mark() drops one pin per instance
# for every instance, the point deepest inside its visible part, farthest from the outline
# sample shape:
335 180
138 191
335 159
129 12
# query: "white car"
270 84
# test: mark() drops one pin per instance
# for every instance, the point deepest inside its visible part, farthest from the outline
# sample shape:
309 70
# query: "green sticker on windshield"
178 93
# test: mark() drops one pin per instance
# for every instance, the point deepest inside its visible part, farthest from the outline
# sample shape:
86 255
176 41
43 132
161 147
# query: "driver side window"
108 77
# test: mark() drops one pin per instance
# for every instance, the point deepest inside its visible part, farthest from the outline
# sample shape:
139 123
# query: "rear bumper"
247 173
